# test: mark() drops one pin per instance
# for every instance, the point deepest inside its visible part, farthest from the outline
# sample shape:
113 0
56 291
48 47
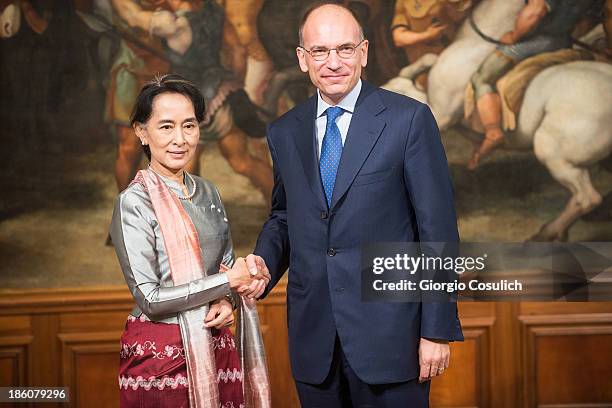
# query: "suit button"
323 215
331 252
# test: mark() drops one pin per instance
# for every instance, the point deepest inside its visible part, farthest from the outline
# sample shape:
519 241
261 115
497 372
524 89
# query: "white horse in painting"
566 115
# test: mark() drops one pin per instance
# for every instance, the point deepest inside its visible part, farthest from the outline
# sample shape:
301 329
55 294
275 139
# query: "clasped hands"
249 277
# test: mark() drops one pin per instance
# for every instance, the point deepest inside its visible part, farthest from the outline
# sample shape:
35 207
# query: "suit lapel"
363 133
306 143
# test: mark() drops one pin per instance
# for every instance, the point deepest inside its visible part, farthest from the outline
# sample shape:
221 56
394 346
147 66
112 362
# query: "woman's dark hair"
143 108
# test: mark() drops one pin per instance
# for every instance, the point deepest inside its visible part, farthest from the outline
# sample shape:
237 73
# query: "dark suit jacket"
393 185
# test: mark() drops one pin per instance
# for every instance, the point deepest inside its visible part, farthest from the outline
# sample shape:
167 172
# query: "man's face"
330 27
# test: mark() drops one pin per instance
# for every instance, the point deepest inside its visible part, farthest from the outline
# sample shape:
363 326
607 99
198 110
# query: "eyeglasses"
343 51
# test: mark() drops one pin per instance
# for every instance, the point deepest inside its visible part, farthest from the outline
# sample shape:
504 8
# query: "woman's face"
172 132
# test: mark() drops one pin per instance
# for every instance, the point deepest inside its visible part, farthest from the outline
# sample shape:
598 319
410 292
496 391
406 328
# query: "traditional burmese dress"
165 349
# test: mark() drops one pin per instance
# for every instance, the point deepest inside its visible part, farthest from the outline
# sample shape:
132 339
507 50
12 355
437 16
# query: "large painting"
526 123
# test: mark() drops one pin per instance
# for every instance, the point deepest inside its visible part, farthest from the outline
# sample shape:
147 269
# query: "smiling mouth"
178 153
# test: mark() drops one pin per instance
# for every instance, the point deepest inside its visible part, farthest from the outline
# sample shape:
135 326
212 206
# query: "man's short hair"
316 5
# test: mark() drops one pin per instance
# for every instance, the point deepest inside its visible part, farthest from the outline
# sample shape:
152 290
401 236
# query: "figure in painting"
426 26
184 37
194 48
132 67
248 57
541 26
37 57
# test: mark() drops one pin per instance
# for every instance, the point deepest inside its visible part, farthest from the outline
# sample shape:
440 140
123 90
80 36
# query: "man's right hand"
257 265
240 276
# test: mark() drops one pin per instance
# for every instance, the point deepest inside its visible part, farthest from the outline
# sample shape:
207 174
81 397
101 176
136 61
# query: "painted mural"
526 119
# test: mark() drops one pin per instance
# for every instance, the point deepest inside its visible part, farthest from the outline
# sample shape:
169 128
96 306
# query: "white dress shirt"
347 104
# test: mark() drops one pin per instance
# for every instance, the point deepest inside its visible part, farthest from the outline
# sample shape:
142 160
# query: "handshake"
249 277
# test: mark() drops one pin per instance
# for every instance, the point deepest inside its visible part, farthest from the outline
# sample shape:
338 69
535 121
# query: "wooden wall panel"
506 390
64 348
459 386
15 340
93 321
96 375
89 367
515 354
560 359
567 360
467 381
14 352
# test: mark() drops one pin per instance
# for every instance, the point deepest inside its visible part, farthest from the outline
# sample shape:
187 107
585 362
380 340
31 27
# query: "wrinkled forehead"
330 27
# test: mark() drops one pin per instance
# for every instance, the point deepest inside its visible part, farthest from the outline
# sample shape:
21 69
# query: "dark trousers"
343 389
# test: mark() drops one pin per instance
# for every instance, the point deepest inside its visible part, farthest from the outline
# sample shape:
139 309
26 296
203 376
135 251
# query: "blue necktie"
331 151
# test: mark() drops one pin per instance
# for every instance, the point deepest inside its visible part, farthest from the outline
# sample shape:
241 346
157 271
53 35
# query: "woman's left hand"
220 314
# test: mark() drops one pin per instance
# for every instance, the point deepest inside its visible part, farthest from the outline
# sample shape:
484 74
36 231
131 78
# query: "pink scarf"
185 259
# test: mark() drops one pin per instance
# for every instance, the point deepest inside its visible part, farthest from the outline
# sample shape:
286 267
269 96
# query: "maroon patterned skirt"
153 370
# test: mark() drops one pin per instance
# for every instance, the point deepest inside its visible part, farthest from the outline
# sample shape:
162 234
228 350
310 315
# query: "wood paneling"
561 359
80 353
567 360
14 352
460 385
515 354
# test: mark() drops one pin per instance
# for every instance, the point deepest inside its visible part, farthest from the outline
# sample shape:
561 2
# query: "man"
355 164
426 26
541 26
248 57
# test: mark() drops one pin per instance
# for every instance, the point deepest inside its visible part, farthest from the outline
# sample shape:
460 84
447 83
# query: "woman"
172 238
